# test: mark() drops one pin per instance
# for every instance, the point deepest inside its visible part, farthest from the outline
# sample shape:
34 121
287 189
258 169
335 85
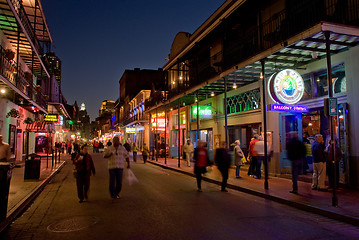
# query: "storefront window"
244 102
338 80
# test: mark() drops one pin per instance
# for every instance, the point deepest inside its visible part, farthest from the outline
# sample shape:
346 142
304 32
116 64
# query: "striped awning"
37 126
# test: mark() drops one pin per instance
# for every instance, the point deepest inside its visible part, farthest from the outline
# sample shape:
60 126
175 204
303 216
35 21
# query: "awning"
37 126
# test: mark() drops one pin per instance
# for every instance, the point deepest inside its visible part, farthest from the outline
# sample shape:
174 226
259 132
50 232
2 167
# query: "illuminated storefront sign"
286 87
130 130
51 117
286 108
204 111
60 120
158 124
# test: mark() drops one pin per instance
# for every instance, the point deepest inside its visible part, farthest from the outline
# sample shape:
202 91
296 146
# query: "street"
163 205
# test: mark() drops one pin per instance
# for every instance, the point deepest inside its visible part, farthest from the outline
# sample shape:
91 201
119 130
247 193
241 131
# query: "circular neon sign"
286 87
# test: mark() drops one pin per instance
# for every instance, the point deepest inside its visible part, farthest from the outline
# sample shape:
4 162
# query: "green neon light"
204 111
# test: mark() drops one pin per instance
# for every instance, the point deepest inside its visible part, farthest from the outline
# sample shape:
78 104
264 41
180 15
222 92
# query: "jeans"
238 170
252 166
259 165
224 172
199 171
134 156
115 181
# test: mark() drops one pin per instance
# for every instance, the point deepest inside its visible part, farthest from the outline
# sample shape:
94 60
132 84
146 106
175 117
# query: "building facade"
256 65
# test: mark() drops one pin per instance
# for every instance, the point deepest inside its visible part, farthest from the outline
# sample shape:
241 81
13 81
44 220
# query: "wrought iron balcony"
136 118
17 79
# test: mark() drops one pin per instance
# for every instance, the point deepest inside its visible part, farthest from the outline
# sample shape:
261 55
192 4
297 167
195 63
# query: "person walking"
319 169
188 149
145 152
296 152
223 161
84 167
252 157
69 147
134 151
201 162
117 155
238 155
5 152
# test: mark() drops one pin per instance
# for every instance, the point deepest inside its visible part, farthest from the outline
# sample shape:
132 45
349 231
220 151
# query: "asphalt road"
163 205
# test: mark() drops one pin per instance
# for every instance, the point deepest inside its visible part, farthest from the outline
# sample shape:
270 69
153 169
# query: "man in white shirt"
117 155
4 151
188 149
258 150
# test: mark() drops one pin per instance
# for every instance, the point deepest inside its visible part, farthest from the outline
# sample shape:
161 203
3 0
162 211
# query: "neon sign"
204 111
286 87
287 108
51 117
130 130
158 124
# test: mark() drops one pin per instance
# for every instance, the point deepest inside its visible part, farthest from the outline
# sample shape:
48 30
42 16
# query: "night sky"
98 40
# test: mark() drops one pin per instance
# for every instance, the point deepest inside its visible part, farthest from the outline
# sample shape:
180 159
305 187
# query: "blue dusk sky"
97 40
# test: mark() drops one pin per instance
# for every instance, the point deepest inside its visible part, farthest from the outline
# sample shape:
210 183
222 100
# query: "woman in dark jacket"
84 167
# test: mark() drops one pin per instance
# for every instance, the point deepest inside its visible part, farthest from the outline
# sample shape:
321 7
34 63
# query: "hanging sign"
51 117
286 87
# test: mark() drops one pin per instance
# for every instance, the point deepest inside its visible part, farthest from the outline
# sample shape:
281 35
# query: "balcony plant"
14 113
28 120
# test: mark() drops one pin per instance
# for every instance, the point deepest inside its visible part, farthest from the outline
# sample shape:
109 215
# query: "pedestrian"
69 147
331 167
134 151
5 152
238 156
117 155
252 157
296 152
201 162
188 149
96 146
223 161
127 146
63 145
84 167
145 152
258 151
319 169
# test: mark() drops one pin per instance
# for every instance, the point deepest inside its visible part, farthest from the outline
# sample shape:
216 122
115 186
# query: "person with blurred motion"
331 167
188 150
223 161
117 155
238 155
201 162
296 152
145 152
319 169
84 167
134 151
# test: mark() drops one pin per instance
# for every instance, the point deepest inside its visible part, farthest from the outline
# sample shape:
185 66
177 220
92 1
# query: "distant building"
107 106
54 66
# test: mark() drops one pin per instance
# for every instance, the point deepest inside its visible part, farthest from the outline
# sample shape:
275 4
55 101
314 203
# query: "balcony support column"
265 162
179 133
225 113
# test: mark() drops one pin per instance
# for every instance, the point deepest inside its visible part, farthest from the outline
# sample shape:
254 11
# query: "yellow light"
3 91
180 77
234 85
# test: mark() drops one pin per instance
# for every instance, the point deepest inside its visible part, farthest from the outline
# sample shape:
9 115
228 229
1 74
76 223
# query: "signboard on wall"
205 112
286 87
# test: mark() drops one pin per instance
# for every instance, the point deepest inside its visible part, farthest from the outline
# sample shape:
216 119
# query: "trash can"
32 167
5 176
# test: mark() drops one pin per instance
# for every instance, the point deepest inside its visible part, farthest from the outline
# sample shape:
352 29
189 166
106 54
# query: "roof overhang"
60 108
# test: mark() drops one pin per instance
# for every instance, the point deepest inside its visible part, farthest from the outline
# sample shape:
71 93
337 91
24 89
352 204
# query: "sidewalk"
23 192
307 199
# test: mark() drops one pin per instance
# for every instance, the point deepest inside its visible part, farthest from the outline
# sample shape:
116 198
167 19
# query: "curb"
301 206
26 202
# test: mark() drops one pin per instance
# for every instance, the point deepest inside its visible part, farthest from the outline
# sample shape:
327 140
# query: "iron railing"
16 77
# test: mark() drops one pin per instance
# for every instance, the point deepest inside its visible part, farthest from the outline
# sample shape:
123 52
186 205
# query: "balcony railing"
17 78
19 8
142 118
275 30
